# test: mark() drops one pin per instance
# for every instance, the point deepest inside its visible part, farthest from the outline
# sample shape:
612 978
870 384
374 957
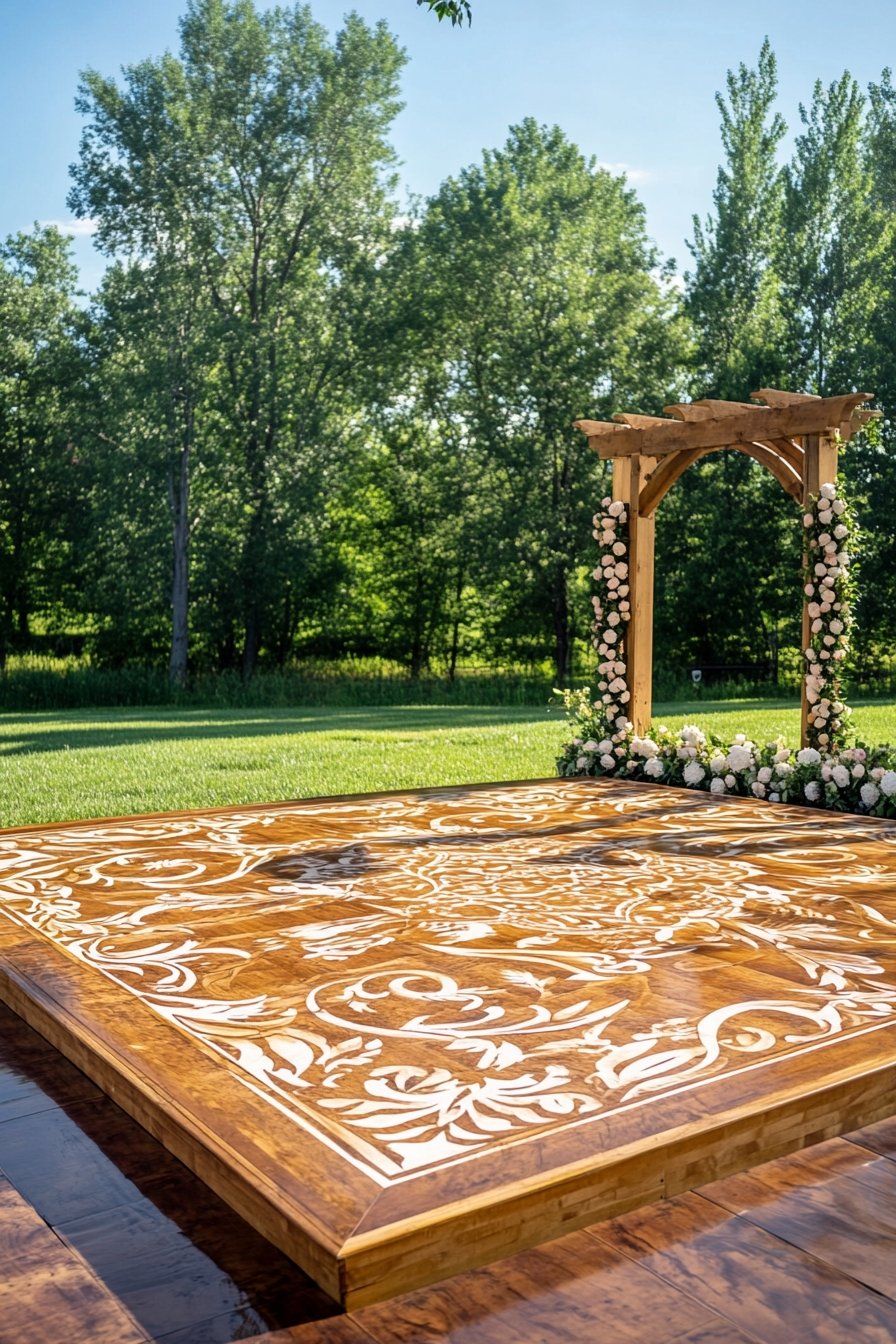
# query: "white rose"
605 746
808 756
730 781
838 506
718 763
764 775
619 548
869 793
840 532
608 762
813 791
888 783
613 618
835 627
653 767
858 771
582 763
693 772
825 516
840 775
828 491
740 758
808 520
717 786
615 508
759 789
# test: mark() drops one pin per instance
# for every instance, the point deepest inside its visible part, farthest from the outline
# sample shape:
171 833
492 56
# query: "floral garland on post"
612 610
827 589
824 774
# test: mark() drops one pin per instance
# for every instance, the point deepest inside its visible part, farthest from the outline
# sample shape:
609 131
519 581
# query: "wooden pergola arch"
794 435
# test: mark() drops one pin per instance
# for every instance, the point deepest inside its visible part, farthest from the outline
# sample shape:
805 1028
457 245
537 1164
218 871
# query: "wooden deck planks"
768 1288
704 1268
406 1034
46 1292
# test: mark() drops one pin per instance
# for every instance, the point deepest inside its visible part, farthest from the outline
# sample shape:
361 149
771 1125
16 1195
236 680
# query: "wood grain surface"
406 1034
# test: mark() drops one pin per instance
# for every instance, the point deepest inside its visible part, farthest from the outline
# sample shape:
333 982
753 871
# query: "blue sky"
630 81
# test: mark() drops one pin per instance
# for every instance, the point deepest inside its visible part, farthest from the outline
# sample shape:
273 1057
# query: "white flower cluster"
829 615
612 610
853 779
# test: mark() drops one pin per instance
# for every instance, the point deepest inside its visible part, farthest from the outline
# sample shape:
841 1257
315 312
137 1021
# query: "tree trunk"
562 640
455 626
179 497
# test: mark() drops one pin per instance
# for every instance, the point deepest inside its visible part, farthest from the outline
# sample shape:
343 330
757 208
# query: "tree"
545 304
829 249
151 364
731 295
40 374
458 11
257 164
725 613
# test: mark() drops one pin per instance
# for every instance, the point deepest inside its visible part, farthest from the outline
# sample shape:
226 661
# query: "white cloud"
634 175
76 228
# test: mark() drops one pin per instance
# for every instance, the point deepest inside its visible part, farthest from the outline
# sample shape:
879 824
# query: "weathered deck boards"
406 1034
105 1238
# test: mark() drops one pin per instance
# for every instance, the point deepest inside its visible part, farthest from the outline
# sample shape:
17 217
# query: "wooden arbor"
795 436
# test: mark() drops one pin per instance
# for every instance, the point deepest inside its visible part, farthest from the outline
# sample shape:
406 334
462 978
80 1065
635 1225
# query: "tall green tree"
41 374
258 162
150 372
544 292
829 248
727 613
731 294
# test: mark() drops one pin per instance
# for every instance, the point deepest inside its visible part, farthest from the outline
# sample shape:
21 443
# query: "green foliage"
250 175
458 11
294 423
40 378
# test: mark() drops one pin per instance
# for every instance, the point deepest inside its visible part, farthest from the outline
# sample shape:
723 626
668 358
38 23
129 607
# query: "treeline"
295 421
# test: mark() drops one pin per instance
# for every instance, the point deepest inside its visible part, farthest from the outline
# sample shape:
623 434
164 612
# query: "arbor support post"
820 467
629 475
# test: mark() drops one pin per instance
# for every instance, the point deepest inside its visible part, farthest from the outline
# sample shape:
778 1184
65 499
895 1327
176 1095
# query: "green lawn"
93 763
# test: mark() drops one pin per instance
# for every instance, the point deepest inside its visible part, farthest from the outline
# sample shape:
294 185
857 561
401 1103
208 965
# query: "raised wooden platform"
406 1034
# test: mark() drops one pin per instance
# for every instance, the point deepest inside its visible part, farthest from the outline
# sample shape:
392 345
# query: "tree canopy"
299 420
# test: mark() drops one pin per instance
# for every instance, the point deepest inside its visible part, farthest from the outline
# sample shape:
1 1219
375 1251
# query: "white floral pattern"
420 977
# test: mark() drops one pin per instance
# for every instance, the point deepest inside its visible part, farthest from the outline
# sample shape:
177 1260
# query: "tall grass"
32 683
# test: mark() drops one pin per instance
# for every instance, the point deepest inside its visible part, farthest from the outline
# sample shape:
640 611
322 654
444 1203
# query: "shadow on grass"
86 729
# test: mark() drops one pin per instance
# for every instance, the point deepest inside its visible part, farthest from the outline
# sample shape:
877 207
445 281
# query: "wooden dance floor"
405 1034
